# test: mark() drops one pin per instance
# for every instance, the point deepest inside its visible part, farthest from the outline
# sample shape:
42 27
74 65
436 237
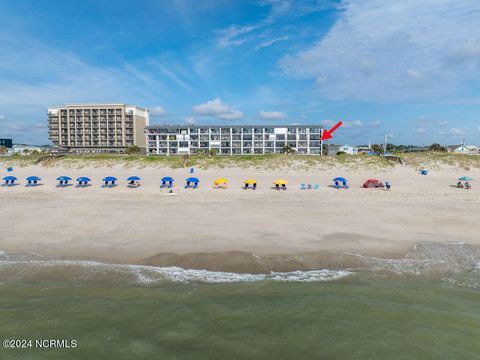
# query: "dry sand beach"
234 229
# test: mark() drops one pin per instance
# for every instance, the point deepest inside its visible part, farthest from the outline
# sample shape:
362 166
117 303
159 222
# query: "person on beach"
387 185
277 186
467 185
459 185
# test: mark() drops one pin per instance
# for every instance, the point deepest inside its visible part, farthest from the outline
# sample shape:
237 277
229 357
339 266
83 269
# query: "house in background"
8 143
463 149
347 149
417 149
24 149
364 149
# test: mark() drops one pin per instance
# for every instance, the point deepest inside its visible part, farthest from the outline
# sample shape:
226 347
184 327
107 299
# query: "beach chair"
245 187
316 186
195 185
254 186
309 187
302 187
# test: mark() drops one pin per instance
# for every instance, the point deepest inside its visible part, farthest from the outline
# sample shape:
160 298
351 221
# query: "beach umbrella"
83 179
10 178
340 179
466 178
373 183
110 178
280 182
64 178
168 179
193 180
134 178
250 181
33 178
221 181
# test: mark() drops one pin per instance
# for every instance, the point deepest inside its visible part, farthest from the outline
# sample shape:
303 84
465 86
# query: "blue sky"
410 69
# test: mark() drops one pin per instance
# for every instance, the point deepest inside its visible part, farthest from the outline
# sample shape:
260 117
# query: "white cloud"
393 50
456 132
286 11
350 124
272 115
233 35
327 123
270 42
216 108
420 131
157 111
190 120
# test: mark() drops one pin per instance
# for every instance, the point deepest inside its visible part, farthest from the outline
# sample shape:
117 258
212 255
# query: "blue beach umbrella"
168 179
33 178
110 178
10 178
64 178
83 179
193 180
134 178
465 178
340 179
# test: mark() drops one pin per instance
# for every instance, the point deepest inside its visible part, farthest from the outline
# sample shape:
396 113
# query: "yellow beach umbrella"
280 182
250 181
221 181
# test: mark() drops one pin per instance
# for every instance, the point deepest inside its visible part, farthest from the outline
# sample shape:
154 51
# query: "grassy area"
436 159
430 160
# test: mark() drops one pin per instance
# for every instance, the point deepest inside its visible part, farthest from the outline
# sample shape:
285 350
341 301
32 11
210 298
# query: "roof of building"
99 105
185 126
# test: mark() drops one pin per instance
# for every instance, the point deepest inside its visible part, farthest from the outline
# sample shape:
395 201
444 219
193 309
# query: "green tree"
213 152
437 147
391 147
132 150
378 148
288 150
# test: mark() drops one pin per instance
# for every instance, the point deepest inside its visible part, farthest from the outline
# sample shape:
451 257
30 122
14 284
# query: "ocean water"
423 306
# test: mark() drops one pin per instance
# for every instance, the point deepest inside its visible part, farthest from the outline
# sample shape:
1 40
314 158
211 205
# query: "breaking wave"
90 271
456 262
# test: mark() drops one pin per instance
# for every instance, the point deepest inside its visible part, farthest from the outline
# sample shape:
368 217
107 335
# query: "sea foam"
148 275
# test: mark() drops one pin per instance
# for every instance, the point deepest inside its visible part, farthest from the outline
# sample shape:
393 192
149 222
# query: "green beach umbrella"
466 178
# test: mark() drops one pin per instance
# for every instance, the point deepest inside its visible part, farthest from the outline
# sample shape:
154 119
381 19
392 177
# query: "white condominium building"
233 140
97 127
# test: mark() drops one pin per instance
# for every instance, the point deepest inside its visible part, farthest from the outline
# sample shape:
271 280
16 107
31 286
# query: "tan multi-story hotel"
97 127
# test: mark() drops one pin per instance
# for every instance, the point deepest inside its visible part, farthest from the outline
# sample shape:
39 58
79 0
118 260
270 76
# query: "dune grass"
430 160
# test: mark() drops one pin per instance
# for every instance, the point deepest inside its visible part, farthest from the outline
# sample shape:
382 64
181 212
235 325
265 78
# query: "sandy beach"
229 229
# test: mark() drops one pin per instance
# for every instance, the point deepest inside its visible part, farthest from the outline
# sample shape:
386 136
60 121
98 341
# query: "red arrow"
328 134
